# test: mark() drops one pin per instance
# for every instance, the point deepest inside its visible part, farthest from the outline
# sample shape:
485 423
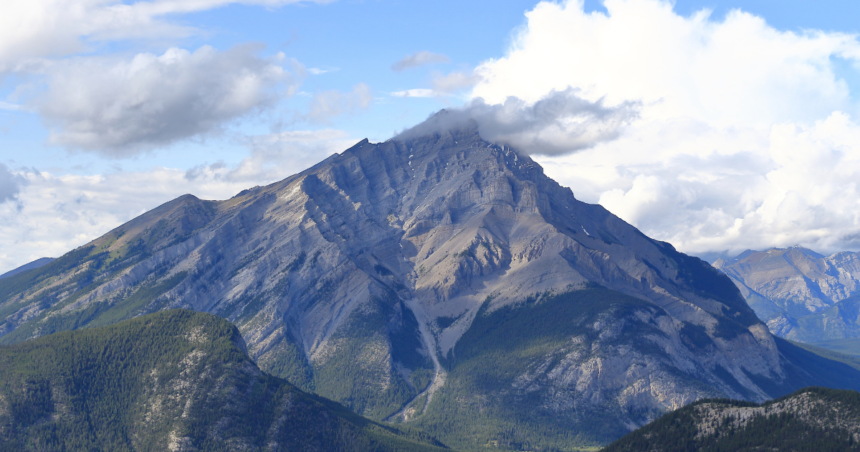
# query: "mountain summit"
441 280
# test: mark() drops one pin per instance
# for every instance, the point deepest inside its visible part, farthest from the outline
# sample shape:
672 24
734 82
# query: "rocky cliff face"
802 295
386 277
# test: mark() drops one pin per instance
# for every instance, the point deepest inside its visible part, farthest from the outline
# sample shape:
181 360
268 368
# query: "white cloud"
328 104
320 71
10 184
9 107
419 59
56 213
418 92
454 81
737 70
796 186
276 156
747 138
118 108
443 85
33 29
560 123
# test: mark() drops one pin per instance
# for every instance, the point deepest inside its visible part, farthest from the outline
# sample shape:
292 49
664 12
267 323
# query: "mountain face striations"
171 381
437 280
802 295
812 419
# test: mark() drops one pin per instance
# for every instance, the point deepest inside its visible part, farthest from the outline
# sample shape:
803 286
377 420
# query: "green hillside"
176 380
503 388
812 419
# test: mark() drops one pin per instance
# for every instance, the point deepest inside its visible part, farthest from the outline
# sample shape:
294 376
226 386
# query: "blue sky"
78 162
357 42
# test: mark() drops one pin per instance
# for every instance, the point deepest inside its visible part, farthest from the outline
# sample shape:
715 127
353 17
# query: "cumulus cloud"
443 85
33 29
417 92
797 187
419 59
328 104
747 136
736 70
560 123
276 156
118 108
10 184
56 213
9 106
454 81
320 71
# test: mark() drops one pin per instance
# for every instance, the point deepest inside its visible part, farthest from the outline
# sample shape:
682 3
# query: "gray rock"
359 278
802 295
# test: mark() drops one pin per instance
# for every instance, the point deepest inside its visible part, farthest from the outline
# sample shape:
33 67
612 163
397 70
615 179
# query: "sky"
718 126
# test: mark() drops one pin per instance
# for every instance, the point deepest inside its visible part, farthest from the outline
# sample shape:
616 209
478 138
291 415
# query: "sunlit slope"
802 295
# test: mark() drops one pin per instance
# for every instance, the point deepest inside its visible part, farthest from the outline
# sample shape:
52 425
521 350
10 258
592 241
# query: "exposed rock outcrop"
802 295
365 277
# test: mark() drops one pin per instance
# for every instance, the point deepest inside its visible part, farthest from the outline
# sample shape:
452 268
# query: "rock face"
801 294
810 419
171 381
439 280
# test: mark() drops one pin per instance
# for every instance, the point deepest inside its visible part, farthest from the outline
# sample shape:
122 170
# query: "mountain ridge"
175 380
360 277
802 295
811 419
28 266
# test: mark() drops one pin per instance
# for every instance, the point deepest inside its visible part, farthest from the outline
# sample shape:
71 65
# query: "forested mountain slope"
812 419
176 380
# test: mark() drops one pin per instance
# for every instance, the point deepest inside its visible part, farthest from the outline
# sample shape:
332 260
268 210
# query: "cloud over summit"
746 136
560 123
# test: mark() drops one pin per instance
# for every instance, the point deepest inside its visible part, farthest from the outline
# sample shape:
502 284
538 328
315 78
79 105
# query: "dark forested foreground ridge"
176 380
812 419
442 281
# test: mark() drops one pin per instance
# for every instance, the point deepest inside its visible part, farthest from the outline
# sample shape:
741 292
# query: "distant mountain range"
171 381
802 295
812 419
441 281
30 266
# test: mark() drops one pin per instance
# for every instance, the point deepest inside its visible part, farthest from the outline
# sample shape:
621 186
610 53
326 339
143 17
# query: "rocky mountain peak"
801 294
388 277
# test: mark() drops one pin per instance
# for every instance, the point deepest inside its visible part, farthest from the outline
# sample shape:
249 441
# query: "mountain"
442 281
176 380
812 419
35 264
802 295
